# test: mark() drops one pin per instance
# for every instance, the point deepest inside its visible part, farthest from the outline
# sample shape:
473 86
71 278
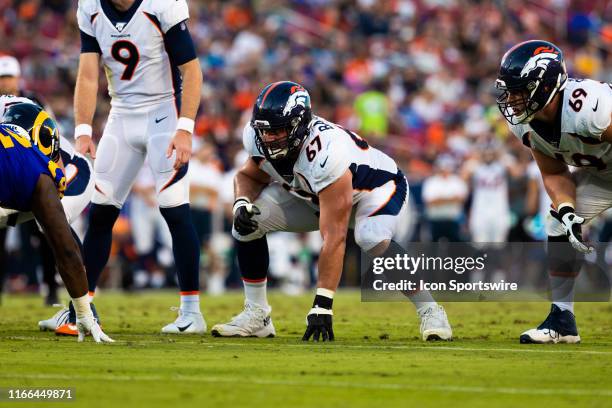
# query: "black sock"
98 240
253 259
185 246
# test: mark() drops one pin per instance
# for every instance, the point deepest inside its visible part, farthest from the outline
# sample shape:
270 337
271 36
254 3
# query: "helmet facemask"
521 102
287 147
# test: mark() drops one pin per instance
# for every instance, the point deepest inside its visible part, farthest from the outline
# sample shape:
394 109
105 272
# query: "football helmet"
280 106
531 74
39 124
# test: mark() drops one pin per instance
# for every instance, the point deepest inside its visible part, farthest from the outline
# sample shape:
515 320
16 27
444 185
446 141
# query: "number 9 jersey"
141 48
21 165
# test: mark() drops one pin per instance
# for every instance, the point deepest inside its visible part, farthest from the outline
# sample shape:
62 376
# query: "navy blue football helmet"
286 106
531 74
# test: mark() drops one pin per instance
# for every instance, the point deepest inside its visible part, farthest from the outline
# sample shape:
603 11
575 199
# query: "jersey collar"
550 132
115 16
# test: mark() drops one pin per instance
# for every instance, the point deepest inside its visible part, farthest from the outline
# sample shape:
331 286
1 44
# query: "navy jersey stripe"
179 174
89 44
78 184
367 178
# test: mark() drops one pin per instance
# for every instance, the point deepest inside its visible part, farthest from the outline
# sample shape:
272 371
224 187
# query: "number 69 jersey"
329 150
140 58
575 137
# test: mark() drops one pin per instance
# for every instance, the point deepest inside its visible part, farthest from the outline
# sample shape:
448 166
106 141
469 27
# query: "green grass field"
377 359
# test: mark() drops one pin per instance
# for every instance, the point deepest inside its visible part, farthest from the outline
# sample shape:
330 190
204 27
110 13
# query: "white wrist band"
185 124
83 130
325 292
566 204
81 306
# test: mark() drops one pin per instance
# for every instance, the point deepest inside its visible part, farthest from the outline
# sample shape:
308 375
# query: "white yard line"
332 384
211 342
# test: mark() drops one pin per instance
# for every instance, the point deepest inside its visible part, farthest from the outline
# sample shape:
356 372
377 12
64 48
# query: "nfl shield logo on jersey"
120 26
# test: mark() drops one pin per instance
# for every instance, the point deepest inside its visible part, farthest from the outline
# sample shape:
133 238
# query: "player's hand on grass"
85 144
244 211
181 142
90 325
572 224
319 321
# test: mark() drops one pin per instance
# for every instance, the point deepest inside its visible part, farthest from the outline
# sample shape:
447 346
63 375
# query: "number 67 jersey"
575 137
139 54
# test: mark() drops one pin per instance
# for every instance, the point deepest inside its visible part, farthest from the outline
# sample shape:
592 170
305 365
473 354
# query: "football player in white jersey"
565 122
306 174
154 81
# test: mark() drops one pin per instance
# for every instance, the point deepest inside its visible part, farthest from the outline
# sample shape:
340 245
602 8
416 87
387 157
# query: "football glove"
89 324
244 211
319 320
572 225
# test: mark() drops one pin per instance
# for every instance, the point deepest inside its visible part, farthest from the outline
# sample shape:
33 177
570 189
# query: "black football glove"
319 320
572 224
244 211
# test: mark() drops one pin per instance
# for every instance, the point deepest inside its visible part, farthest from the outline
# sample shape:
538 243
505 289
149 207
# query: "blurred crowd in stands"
413 77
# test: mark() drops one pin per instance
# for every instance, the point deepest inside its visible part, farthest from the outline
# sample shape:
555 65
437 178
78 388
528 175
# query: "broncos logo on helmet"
531 74
41 127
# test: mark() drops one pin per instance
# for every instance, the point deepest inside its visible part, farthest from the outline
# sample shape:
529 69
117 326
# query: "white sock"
562 291
255 292
190 303
422 301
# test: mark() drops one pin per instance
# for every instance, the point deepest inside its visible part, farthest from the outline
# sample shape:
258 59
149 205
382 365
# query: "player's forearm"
192 86
245 186
560 187
86 91
85 95
331 260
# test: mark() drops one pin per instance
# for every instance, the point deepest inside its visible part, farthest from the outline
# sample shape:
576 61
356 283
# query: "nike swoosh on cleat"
596 106
182 329
159 120
325 162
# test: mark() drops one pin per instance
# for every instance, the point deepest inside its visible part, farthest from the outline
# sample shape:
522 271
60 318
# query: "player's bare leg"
48 210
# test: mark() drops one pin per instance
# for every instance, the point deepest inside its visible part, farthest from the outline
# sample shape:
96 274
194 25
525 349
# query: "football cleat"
69 327
253 321
58 319
559 327
186 323
435 325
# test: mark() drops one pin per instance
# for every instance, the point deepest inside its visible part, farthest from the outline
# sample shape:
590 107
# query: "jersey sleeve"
594 117
329 165
85 14
174 12
248 141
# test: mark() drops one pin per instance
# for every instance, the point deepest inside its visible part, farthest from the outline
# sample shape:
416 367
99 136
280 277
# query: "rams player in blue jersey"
32 182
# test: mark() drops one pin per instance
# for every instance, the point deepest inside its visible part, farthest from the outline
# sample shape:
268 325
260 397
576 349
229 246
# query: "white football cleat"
435 325
58 319
254 321
186 323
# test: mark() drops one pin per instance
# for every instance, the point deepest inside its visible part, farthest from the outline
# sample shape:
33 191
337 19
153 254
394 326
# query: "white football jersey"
138 69
8 100
575 138
490 189
326 154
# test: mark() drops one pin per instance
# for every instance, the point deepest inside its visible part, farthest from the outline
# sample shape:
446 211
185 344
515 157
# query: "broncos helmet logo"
540 60
299 97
